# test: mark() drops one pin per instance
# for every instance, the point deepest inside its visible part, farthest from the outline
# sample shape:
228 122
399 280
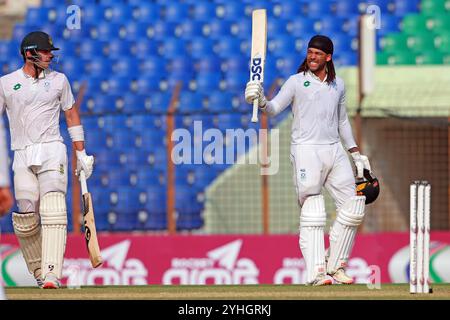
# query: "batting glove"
361 162
254 90
85 163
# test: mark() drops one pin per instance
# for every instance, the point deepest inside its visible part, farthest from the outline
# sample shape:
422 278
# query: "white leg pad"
312 223
54 232
27 227
343 231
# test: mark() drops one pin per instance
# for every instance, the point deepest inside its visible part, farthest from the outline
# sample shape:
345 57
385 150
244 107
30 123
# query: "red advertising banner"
131 259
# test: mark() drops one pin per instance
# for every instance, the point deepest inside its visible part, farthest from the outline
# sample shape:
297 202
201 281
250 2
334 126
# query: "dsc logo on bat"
256 68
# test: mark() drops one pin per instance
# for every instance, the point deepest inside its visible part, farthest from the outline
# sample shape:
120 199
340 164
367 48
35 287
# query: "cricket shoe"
51 282
40 283
320 280
340 277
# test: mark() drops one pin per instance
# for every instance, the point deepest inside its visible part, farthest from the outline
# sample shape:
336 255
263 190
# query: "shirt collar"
316 77
42 75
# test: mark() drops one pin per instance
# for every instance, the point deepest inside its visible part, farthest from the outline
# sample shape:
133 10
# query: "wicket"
419 237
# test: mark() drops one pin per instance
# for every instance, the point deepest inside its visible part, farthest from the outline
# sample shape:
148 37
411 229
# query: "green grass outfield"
230 292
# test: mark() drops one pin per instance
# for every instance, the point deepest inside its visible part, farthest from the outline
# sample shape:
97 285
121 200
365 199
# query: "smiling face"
317 59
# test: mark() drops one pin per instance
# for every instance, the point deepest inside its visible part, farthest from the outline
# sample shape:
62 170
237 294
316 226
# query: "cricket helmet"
368 186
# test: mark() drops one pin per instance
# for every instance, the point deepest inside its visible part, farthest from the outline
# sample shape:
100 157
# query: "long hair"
331 72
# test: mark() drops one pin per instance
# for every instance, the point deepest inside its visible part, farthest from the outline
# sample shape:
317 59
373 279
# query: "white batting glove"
85 163
361 163
254 90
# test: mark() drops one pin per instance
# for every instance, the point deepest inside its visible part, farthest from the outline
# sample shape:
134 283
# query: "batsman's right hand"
85 163
254 90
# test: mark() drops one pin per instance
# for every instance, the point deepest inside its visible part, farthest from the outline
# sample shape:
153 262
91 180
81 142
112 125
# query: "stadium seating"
132 53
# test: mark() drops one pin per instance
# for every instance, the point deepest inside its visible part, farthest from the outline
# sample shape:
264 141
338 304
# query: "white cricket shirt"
320 115
33 106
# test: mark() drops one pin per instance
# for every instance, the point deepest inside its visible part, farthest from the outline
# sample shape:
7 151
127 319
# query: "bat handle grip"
255 111
83 183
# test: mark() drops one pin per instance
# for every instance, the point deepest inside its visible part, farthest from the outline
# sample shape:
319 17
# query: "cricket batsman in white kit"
319 160
33 97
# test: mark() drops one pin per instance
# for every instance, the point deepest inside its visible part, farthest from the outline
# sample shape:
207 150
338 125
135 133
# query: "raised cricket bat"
258 55
90 232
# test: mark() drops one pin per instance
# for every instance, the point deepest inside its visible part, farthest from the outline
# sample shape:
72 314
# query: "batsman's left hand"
85 163
361 162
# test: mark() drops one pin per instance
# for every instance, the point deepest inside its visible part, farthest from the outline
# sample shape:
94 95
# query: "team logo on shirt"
302 174
61 168
306 83
17 86
47 86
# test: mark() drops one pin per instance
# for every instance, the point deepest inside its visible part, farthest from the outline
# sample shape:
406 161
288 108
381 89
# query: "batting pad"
343 231
27 228
54 232
312 223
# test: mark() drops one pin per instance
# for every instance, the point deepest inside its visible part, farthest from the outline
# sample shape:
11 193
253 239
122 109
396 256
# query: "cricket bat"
258 55
90 232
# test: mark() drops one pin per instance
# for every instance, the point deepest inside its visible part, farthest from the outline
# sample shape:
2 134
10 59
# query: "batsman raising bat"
317 98
33 96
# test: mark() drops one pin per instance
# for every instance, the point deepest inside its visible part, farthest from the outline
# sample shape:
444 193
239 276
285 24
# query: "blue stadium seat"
328 24
154 221
9 48
208 81
220 101
204 175
57 14
106 159
147 83
66 48
158 102
161 30
203 11
146 11
389 24
90 124
235 63
36 16
181 66
123 140
156 199
190 28
127 199
276 27
190 102
76 34
90 49
317 9
137 158
50 3
95 141
112 123
288 64
189 221
236 80
341 42
118 48
216 29
125 66
345 58
300 27
151 140
175 11
105 31
208 64
280 45
344 8
350 26
138 31
92 14
201 47
186 199
172 48
241 28
152 65
118 13
120 84
146 176
71 66
118 178
131 102
98 67
227 46
402 7
227 121
20 30
99 103
143 48
230 10
141 122
288 10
